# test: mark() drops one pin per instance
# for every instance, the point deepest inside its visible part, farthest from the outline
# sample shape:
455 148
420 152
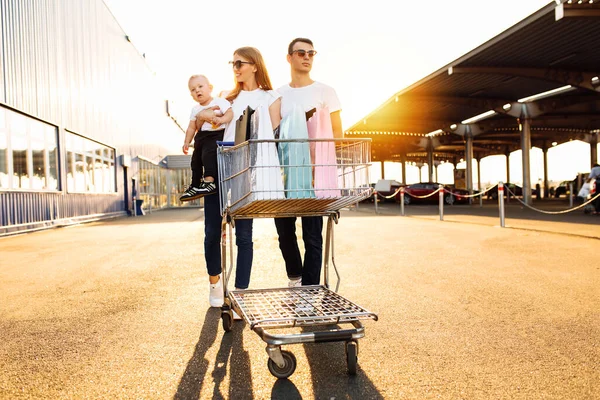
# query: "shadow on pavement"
231 352
190 384
329 372
285 389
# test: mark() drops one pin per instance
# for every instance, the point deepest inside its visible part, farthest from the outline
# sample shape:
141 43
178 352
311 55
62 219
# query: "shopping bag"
266 176
323 155
243 126
294 156
584 191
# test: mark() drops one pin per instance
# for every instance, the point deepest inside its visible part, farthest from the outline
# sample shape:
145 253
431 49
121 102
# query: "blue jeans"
312 228
212 242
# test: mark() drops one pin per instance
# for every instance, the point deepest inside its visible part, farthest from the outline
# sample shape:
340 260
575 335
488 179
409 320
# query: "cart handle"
225 144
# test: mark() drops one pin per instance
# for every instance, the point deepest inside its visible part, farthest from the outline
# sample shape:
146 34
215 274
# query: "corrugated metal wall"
69 63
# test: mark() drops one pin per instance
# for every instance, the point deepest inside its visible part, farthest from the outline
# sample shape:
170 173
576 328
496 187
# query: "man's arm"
336 125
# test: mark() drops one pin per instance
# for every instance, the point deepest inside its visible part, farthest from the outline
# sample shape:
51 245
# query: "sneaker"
296 282
215 297
192 193
207 188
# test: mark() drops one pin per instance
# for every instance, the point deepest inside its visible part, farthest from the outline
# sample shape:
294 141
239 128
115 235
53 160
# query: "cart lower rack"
253 184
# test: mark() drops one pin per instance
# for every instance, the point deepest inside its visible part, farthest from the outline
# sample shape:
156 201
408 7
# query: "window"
90 165
28 153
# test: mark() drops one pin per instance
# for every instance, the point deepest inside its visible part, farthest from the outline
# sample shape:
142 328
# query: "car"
422 192
516 190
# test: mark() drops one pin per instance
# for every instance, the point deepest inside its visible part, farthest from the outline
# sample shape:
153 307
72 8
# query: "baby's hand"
217 121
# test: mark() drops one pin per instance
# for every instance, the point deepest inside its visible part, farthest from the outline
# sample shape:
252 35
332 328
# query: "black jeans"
204 156
312 228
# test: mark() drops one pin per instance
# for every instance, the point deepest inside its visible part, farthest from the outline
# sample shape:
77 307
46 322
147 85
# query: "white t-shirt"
308 97
254 99
223 105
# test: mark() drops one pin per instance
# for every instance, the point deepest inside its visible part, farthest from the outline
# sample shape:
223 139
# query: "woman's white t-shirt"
253 99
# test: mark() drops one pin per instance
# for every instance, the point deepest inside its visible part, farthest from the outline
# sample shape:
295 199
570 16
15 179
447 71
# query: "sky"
367 51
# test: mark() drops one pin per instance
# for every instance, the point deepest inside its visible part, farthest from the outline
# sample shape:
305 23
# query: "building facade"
81 119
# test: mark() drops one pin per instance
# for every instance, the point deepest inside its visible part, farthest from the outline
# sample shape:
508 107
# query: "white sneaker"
297 282
215 297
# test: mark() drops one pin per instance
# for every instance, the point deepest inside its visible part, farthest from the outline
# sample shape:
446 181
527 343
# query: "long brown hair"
261 75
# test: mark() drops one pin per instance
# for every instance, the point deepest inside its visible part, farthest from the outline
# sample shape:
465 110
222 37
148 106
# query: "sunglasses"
302 53
237 64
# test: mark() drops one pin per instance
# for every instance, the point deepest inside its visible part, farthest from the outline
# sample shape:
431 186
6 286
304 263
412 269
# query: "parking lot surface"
467 310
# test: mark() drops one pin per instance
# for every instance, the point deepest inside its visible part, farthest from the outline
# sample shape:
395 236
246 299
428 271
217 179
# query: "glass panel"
3 153
20 175
52 176
79 173
38 180
70 172
89 169
99 186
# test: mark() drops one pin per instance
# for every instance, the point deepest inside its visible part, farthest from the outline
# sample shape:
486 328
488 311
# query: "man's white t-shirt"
223 105
308 97
254 99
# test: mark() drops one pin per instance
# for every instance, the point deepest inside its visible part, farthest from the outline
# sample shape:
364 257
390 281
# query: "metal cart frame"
306 306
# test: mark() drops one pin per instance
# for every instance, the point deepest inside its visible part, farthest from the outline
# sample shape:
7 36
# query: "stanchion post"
480 199
441 187
375 201
501 202
570 194
402 201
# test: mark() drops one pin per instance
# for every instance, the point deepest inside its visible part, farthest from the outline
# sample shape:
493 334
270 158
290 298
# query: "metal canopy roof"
556 46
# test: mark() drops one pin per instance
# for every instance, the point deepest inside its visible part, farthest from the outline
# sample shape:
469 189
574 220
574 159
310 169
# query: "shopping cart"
250 185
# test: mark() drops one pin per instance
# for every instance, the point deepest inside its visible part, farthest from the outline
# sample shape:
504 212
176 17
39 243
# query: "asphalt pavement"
467 310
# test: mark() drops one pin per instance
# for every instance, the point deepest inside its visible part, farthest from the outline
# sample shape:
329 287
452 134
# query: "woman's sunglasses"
302 53
237 64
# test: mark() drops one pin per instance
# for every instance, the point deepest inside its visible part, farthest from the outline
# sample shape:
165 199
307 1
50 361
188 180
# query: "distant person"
308 94
252 88
205 135
595 174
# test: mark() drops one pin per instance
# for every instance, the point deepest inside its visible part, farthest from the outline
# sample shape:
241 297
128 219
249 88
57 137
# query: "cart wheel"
287 370
352 356
227 321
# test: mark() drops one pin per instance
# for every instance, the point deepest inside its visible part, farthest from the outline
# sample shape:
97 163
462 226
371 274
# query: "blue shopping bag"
294 156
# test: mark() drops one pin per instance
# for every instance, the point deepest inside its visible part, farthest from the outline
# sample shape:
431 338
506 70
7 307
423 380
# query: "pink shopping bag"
323 154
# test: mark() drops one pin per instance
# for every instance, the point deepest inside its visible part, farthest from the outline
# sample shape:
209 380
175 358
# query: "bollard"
501 202
571 195
480 199
375 201
441 187
402 201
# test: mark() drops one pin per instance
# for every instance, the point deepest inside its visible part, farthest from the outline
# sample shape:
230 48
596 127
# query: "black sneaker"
207 188
192 193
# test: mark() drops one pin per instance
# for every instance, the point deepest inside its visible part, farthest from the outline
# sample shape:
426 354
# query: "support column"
594 149
420 171
507 154
525 149
382 169
430 165
436 173
545 153
403 160
469 160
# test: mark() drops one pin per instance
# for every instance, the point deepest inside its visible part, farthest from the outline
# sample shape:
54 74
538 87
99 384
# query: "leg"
212 235
243 240
312 233
196 164
288 244
209 154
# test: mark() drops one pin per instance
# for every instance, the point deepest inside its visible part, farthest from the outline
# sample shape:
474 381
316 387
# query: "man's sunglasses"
302 53
237 64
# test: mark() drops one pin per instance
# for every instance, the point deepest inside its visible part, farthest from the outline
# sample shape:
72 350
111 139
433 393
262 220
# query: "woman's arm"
275 113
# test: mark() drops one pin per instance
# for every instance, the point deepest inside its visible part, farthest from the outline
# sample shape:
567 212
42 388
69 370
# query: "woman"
252 88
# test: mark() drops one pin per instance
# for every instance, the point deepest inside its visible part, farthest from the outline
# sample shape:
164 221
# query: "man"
595 174
308 94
